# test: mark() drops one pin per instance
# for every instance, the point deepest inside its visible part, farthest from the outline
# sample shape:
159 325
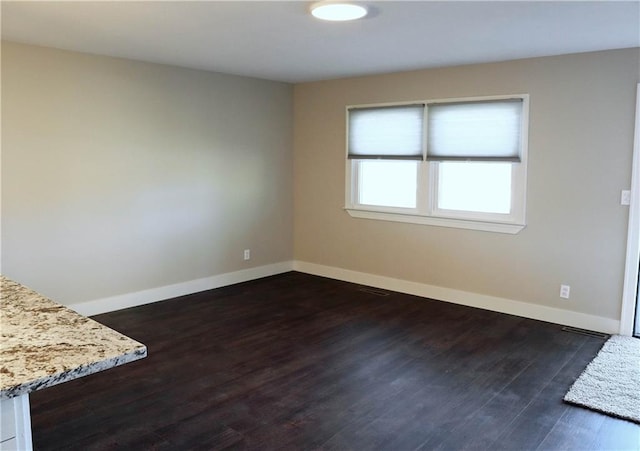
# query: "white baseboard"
137 298
502 305
518 308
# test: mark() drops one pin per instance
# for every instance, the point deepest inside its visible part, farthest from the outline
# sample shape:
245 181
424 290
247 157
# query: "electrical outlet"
247 254
564 291
625 197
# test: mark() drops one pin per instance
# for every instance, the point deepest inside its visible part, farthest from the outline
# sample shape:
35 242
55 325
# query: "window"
398 189
456 163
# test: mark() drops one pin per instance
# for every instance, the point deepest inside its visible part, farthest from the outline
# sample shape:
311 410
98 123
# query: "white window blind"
390 133
475 131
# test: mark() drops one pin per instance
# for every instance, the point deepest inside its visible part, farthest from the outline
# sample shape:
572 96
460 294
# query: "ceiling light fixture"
337 11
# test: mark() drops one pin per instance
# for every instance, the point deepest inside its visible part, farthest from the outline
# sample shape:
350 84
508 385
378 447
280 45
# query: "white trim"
23 423
433 101
149 296
630 286
15 433
512 307
437 221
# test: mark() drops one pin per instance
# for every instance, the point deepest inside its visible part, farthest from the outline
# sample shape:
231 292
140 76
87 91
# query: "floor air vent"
373 291
590 333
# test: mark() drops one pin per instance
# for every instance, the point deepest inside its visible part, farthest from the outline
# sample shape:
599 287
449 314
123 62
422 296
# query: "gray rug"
611 382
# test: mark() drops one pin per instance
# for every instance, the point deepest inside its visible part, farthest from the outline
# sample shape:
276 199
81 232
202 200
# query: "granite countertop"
43 343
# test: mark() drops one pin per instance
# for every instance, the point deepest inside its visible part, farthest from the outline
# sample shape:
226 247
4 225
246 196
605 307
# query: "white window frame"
426 211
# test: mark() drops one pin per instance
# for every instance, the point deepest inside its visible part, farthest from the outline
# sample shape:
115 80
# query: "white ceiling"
281 41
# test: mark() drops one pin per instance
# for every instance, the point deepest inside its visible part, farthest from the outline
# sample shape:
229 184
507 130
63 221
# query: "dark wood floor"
301 362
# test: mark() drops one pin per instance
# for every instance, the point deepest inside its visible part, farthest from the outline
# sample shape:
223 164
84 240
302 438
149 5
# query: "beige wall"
119 176
580 150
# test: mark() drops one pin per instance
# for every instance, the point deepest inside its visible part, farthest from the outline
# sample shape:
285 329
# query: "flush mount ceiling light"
337 11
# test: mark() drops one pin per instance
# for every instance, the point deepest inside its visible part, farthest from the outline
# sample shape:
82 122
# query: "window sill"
495 227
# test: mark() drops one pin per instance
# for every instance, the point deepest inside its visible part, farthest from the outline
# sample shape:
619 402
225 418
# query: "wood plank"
296 361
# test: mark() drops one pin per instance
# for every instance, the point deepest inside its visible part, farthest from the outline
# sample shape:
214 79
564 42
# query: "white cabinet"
15 424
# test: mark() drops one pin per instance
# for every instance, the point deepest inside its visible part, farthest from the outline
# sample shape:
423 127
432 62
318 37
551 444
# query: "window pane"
387 183
473 186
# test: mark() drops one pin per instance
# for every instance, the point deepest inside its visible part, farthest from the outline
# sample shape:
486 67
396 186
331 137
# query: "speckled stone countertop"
43 343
